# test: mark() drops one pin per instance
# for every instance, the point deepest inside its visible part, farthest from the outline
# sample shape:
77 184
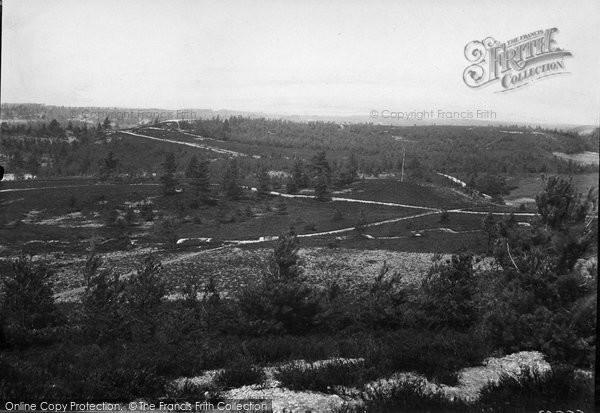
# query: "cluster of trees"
494 150
317 175
370 149
44 148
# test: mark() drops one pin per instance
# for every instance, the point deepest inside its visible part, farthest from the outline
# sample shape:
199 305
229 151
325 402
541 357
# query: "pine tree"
168 178
489 226
231 185
322 192
108 166
28 301
225 130
264 183
197 171
192 168
321 176
32 164
294 183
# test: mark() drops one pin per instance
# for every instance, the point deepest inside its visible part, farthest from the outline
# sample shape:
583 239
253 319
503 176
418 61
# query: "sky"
308 57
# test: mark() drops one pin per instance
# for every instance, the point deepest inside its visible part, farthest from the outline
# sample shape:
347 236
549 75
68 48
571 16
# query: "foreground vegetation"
126 340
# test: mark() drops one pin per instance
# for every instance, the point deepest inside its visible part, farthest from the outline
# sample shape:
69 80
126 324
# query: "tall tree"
321 176
168 177
197 171
192 167
489 227
299 179
231 180
108 166
264 183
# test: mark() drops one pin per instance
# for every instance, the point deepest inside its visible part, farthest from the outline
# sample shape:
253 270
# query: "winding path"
193 145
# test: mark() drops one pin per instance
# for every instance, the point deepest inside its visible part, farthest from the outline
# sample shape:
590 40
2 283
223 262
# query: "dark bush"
27 306
409 395
559 389
238 374
282 301
447 298
324 377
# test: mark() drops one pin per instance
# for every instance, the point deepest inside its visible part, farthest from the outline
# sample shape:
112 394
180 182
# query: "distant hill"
126 117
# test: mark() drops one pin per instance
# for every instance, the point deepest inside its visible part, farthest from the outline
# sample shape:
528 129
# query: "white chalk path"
193 145
360 201
41 188
332 232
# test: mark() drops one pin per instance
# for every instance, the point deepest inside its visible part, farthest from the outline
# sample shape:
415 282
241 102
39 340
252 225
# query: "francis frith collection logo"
515 63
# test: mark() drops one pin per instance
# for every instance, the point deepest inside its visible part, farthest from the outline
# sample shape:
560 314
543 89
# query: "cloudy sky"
308 57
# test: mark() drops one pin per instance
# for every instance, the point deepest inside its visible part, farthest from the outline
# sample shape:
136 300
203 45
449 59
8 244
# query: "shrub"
380 304
147 212
536 298
559 389
238 374
142 297
282 207
324 376
439 356
193 392
444 217
166 231
282 301
409 395
102 299
448 295
27 301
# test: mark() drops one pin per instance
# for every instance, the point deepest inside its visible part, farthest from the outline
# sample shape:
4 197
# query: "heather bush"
240 373
324 377
561 388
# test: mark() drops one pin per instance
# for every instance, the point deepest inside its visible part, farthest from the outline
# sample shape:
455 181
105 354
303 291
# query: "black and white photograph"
309 206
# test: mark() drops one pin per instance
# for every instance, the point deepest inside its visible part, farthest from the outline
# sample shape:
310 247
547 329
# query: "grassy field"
529 185
66 215
58 224
392 190
585 158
